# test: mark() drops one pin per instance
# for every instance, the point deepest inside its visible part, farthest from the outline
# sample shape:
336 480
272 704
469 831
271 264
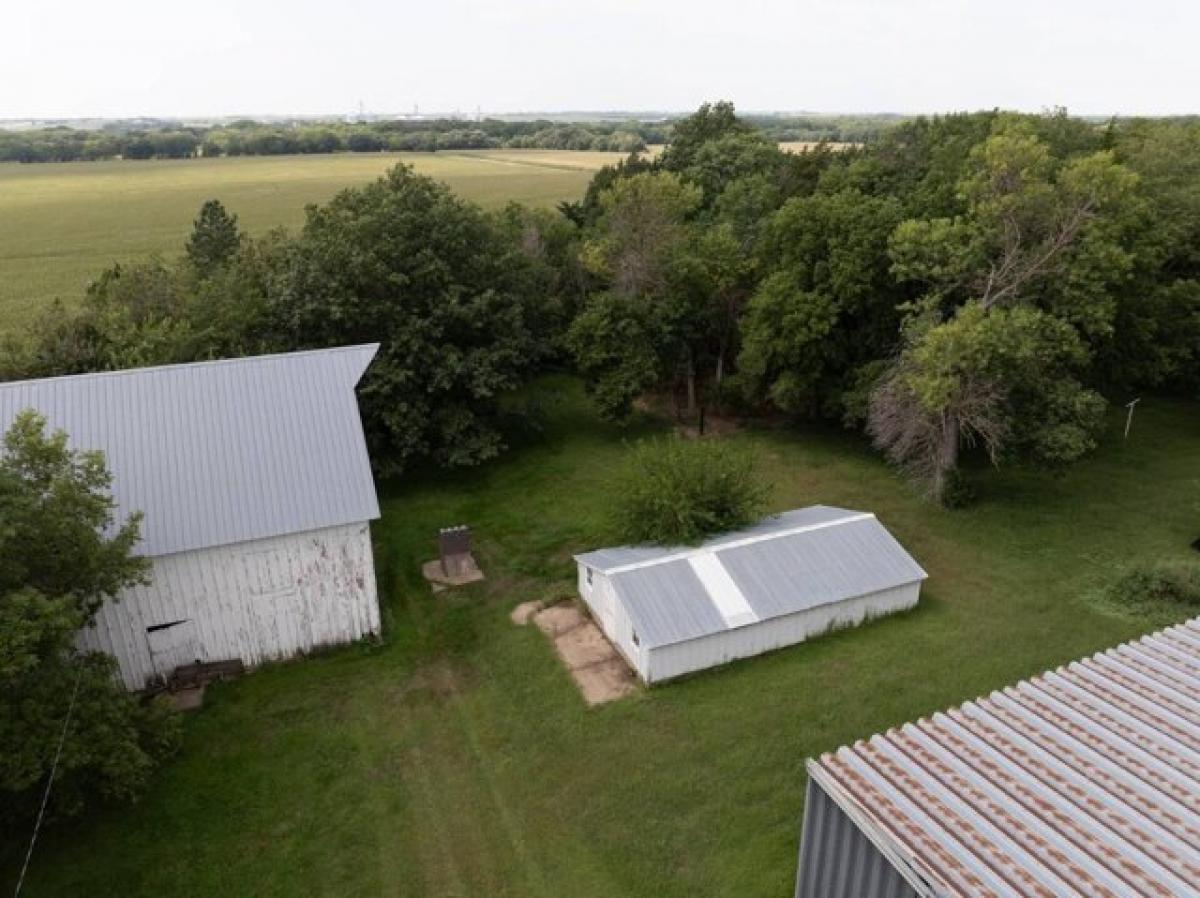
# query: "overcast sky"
212 57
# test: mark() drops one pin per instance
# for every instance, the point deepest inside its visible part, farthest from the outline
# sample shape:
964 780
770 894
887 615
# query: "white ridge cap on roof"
737 543
725 594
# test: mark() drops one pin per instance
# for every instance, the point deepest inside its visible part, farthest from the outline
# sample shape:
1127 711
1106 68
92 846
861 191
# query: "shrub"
1159 590
677 491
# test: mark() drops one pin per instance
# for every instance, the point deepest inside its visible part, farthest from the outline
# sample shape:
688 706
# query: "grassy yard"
456 759
61 224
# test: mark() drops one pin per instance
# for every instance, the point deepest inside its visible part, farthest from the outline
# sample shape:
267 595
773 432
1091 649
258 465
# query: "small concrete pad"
583 646
523 613
559 619
436 575
594 664
605 682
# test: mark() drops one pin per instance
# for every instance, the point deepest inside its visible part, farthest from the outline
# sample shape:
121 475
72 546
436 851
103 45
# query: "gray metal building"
671 611
1081 783
256 489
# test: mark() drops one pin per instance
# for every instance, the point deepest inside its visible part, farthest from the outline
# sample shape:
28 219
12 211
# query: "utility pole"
1129 417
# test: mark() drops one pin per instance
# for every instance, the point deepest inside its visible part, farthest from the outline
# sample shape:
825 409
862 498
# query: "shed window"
635 639
589 576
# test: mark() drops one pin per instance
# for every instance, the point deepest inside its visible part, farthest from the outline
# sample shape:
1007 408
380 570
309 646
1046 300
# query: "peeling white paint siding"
259 601
665 662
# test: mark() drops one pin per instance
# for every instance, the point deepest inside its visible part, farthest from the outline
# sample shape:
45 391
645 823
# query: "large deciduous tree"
827 305
63 555
630 336
1013 288
405 262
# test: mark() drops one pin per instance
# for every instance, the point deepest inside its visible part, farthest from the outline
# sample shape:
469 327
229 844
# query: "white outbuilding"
253 478
672 611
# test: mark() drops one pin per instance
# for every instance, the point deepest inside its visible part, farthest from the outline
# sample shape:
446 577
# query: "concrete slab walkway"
596 667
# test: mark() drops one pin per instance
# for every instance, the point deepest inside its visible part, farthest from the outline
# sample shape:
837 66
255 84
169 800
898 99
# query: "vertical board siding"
667 661
257 601
837 860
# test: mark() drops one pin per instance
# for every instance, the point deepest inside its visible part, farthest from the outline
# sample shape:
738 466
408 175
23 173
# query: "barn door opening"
172 645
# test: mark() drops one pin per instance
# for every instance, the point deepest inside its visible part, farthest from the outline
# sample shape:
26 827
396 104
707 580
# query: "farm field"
457 759
61 224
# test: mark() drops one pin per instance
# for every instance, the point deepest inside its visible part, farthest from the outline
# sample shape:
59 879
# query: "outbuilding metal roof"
1081 783
789 563
216 453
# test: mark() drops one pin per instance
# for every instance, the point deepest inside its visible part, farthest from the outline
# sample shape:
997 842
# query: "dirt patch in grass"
439 681
714 426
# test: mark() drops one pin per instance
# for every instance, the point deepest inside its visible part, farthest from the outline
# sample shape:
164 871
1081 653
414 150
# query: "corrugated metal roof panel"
667 603
1084 782
816 567
789 563
220 452
605 560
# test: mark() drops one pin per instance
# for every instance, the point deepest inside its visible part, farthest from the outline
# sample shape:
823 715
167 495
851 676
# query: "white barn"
672 611
256 488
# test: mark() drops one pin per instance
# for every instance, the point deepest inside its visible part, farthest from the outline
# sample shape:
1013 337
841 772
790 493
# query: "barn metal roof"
1081 783
221 452
789 563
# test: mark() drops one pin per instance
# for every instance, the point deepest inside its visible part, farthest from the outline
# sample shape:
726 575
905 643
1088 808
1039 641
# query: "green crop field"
62 223
457 758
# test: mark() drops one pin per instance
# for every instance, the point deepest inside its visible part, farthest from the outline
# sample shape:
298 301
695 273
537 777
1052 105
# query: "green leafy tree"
827 306
711 122
405 262
64 555
215 238
554 282
642 228
1156 334
1004 379
716 163
676 491
617 342
680 287
1013 288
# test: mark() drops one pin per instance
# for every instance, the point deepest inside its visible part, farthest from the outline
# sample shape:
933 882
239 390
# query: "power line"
62 738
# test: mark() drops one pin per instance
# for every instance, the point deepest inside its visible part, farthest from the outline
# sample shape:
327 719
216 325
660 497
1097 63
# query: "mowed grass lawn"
457 759
61 224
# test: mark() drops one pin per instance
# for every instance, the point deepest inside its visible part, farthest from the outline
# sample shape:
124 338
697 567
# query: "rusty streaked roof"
1083 782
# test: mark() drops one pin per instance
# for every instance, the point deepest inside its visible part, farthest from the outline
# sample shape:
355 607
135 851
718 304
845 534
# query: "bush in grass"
678 491
1158 588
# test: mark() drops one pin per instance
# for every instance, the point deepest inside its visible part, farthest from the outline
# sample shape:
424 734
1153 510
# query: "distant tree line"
251 138
969 285
816 128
